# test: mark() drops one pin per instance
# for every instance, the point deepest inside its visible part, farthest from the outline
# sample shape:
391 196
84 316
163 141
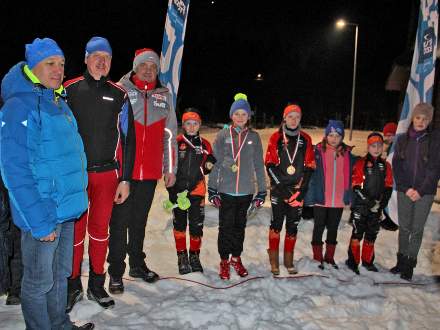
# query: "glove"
259 199
209 164
214 197
293 202
375 208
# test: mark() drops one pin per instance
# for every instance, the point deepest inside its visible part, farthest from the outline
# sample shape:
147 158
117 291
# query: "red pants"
101 191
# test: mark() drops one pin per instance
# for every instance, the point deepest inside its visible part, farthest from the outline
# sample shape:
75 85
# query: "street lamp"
341 24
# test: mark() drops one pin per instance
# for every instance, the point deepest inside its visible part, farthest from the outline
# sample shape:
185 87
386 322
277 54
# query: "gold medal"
291 170
234 168
209 165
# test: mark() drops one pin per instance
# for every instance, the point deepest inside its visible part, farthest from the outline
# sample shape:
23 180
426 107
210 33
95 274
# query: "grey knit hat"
423 109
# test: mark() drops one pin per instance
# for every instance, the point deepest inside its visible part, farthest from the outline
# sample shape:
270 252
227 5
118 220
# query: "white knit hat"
145 55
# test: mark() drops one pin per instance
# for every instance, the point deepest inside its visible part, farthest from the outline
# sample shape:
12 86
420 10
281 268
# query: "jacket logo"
159 97
133 96
108 98
162 105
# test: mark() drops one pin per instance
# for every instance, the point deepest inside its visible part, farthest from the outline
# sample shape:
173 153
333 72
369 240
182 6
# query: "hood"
15 82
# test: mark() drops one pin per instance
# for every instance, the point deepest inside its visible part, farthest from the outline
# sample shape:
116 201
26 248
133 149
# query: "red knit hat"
291 108
390 129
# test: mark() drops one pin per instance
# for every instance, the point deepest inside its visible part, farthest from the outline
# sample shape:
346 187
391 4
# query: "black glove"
259 199
386 197
214 197
209 164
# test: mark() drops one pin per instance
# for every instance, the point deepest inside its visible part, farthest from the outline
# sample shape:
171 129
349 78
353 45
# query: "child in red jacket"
372 183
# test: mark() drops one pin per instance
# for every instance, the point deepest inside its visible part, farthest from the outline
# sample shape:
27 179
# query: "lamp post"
340 24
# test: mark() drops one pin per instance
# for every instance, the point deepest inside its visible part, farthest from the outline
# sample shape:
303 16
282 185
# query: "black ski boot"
116 285
96 291
87 326
75 292
397 269
13 297
353 266
408 268
183 263
194 261
144 273
371 267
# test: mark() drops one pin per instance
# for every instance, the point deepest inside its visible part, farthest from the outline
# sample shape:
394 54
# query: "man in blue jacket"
43 166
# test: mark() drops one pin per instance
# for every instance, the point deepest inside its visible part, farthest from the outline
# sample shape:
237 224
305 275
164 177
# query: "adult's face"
50 71
147 71
98 64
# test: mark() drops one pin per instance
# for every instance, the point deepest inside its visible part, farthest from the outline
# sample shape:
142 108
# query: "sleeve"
208 159
129 140
388 176
309 159
259 164
271 158
432 166
218 148
272 162
19 136
397 163
170 144
357 180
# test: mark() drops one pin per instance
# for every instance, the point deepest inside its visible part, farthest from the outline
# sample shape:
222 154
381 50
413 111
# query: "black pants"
232 224
281 210
10 259
326 217
365 225
193 217
132 216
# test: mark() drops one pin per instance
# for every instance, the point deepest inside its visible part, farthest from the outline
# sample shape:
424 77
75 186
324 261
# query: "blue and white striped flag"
172 45
421 82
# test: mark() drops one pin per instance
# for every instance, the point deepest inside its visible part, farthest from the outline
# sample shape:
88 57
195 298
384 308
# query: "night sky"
294 44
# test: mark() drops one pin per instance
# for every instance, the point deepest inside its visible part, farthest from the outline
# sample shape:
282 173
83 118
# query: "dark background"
294 44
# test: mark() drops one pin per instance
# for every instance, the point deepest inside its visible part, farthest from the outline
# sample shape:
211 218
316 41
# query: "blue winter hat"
240 103
98 44
335 126
40 49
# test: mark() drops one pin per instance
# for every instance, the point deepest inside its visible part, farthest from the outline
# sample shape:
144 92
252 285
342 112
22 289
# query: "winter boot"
183 262
330 255
194 261
273 251
144 273
397 269
408 268
224 272
289 247
368 256
317 254
75 292
387 223
87 326
354 256
116 285
96 291
274 260
238 266
13 297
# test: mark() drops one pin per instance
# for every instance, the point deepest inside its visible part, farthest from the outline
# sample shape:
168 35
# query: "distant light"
212 2
340 24
259 77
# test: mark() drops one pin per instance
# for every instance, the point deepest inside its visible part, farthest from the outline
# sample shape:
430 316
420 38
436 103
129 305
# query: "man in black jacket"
105 121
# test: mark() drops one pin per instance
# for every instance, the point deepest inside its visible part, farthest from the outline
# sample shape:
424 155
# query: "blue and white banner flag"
421 82
172 46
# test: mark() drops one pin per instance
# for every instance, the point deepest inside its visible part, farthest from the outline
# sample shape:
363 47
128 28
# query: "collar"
34 79
142 84
99 82
290 131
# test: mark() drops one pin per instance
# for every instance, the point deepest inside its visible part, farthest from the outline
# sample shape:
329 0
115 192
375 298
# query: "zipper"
143 138
334 178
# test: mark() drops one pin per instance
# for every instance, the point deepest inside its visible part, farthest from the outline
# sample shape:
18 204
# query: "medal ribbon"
240 145
286 141
193 146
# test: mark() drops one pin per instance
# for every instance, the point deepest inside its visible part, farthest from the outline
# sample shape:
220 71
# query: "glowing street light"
341 24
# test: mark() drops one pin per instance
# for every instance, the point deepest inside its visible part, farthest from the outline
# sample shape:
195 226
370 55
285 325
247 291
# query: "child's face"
240 118
375 149
388 139
191 127
334 139
292 120
420 122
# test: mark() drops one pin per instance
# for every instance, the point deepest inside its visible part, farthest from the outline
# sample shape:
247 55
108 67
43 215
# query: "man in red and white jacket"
156 127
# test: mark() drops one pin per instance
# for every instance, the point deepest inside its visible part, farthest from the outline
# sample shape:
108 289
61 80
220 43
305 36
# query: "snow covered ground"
339 300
